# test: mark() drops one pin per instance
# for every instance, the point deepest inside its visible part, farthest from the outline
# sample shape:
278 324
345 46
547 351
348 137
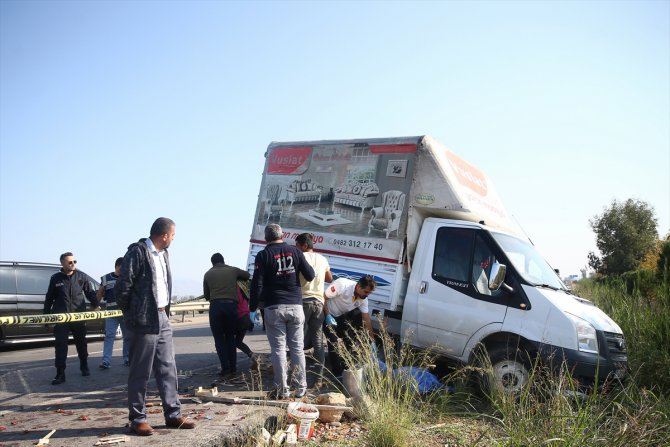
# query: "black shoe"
85 371
60 377
227 372
277 394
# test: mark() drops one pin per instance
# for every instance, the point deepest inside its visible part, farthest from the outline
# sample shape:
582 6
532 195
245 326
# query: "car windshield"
528 262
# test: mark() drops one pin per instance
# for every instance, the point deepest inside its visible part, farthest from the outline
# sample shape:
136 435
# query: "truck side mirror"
498 272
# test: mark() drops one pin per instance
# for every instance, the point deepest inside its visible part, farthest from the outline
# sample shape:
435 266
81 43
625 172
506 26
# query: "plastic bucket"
304 415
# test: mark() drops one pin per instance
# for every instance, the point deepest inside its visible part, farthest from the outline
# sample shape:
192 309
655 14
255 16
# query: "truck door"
454 300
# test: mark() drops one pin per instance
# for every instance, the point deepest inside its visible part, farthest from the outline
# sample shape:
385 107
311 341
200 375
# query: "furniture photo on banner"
386 218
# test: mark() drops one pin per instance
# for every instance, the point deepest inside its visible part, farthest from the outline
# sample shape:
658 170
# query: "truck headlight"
586 335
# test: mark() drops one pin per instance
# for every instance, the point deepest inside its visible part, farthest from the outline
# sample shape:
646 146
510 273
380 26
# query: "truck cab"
473 287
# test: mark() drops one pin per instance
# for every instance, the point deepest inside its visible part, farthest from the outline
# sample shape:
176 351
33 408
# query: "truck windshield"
528 262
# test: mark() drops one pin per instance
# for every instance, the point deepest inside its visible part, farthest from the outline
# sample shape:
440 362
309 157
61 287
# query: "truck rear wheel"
510 368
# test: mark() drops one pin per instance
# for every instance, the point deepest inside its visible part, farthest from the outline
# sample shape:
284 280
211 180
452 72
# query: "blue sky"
113 113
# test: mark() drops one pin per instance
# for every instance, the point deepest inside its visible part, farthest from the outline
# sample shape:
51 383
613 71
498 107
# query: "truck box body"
329 189
354 175
432 231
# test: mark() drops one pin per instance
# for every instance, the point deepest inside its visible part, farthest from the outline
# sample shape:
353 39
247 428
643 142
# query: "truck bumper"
610 363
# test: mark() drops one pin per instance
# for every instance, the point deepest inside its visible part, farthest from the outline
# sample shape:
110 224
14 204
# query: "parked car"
23 286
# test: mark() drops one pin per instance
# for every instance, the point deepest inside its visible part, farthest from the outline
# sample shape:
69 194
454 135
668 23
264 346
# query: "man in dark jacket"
65 294
106 294
220 289
276 282
143 292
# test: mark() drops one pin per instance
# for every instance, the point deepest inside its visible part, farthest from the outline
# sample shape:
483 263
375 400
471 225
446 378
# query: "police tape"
92 315
59 318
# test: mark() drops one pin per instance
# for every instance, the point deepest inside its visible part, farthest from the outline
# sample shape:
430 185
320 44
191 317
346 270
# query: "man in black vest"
65 294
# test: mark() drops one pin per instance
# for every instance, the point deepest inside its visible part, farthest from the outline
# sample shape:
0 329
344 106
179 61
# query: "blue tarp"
426 381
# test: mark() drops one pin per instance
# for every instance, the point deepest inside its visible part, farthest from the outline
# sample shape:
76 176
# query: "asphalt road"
29 368
84 409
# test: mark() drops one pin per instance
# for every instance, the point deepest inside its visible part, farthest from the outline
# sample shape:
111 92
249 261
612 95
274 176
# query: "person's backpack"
242 303
243 315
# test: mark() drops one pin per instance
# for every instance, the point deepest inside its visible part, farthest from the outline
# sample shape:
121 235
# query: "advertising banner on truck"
351 195
363 199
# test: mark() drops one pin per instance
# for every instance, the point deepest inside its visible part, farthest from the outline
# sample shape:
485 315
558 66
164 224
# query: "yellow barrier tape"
59 318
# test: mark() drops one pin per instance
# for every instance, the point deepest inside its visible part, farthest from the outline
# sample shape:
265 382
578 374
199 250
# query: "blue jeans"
284 327
111 324
223 323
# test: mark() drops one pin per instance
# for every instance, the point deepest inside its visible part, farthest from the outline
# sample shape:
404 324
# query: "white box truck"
453 272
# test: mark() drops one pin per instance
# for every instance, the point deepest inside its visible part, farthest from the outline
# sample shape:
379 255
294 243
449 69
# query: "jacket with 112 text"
277 273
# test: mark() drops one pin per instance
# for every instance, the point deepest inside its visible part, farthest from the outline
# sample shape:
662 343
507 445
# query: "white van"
454 273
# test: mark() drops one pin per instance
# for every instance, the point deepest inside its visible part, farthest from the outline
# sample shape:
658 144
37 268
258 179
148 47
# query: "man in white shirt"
143 292
347 304
312 301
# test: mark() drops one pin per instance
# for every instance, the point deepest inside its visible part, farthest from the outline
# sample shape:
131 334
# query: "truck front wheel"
510 368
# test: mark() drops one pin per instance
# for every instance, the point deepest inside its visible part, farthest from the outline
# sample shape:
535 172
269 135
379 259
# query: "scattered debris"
337 399
279 437
45 440
266 437
206 392
112 440
213 395
291 435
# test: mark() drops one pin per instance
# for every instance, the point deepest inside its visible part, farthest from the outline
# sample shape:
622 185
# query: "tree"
663 267
625 233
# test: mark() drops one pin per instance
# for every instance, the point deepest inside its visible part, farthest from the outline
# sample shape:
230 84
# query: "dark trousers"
243 325
347 324
223 323
152 354
62 332
239 341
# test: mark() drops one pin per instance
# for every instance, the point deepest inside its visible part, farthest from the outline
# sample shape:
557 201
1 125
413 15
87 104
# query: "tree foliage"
663 266
625 234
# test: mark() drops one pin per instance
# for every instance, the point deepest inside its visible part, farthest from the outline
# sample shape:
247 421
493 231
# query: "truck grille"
616 347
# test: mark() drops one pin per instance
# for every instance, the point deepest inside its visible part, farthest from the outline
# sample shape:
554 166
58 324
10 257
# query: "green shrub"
392 406
645 322
550 410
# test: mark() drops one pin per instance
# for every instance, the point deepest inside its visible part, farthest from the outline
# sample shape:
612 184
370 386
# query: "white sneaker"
300 393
